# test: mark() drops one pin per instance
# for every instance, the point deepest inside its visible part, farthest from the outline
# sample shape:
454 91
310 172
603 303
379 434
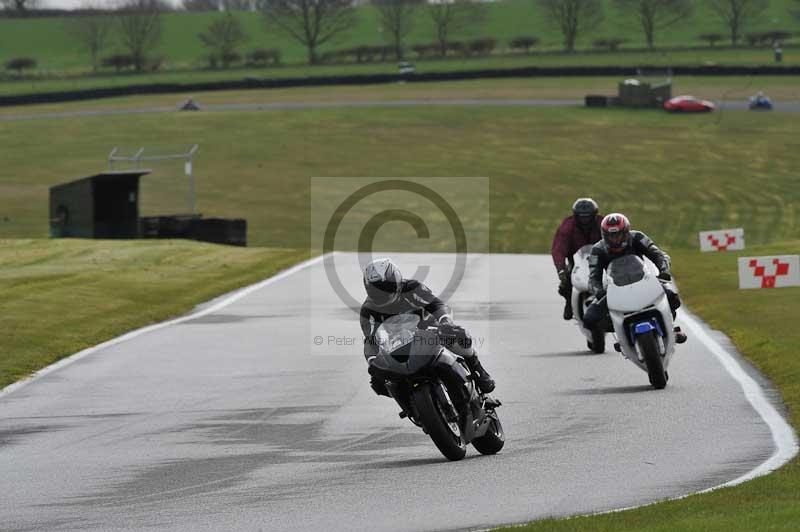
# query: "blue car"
759 102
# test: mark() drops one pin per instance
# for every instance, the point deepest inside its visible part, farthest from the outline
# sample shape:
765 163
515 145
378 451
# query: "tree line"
136 25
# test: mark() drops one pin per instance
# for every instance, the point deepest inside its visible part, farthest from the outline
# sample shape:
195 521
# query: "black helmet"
383 282
585 211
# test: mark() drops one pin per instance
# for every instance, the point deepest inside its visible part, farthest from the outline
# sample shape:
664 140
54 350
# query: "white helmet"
383 282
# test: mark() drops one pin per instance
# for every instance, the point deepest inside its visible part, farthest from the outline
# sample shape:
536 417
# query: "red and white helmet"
616 230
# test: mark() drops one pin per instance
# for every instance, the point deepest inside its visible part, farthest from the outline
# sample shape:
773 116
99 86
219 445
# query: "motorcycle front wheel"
648 345
493 440
445 434
598 343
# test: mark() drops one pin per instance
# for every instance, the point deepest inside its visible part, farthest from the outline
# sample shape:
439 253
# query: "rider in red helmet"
619 240
575 231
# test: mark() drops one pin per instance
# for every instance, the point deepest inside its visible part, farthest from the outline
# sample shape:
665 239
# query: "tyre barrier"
372 79
230 231
595 100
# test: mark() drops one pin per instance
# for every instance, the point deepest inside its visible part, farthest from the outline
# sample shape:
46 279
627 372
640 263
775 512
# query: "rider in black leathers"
388 294
619 240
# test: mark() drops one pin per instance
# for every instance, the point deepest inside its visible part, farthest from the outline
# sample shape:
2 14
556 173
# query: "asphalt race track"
236 420
779 107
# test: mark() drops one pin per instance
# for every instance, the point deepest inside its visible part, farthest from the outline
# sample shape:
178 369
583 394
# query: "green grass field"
729 168
58 55
62 296
46 39
673 175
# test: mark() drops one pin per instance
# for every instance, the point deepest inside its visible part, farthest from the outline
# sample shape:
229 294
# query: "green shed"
104 205
637 93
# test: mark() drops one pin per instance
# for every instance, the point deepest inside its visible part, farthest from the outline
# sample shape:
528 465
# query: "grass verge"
761 324
48 41
674 175
62 296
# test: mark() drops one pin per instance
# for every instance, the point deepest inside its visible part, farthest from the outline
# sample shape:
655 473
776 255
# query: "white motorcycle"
581 299
641 316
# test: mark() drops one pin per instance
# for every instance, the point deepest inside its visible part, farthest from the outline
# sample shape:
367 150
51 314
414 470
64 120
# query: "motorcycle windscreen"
632 287
626 270
402 347
396 332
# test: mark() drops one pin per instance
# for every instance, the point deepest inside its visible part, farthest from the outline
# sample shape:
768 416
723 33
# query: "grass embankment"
62 65
674 174
47 40
761 324
62 296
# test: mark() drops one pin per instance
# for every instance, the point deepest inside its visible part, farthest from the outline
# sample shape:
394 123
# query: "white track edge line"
232 298
783 435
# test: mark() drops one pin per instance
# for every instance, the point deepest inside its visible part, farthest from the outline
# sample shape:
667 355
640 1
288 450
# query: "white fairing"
640 298
635 296
580 287
580 269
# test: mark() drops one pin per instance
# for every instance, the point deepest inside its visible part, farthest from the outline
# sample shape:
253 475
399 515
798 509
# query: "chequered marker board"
722 240
769 272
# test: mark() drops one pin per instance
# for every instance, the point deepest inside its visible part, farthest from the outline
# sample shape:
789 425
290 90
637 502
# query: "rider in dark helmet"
388 294
576 231
619 240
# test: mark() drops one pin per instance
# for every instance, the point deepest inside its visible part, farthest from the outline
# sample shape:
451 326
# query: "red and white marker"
722 240
769 272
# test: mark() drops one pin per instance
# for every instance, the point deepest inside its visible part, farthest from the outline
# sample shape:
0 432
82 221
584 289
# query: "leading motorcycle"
641 316
434 387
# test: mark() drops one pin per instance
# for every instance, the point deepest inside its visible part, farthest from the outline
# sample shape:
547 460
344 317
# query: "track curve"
232 420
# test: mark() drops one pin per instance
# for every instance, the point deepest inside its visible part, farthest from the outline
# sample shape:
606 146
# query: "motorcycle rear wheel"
655 366
444 434
493 440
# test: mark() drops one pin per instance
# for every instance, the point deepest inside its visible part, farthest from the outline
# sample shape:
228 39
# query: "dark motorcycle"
435 388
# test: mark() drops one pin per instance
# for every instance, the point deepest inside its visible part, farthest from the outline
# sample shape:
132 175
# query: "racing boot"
680 336
484 380
568 310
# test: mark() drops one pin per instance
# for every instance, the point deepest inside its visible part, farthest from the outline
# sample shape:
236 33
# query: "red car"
688 104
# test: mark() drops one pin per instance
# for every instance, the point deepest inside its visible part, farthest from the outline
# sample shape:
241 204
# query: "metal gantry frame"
140 156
